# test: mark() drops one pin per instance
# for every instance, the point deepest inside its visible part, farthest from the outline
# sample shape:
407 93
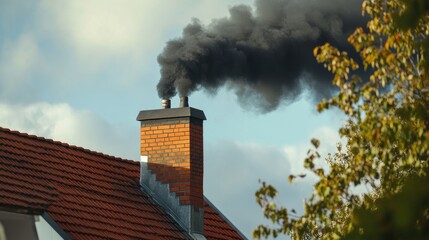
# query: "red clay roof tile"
215 226
90 195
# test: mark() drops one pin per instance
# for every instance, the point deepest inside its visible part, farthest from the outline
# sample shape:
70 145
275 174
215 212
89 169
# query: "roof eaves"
21 210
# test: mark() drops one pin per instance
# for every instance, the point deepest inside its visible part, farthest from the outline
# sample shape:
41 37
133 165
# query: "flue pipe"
184 102
166 103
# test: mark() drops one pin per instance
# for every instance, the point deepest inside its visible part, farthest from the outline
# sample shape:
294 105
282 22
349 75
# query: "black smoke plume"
265 55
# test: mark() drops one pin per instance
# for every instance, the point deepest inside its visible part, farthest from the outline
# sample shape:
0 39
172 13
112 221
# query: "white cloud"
63 123
297 153
66 43
208 10
21 54
232 171
107 28
19 59
99 28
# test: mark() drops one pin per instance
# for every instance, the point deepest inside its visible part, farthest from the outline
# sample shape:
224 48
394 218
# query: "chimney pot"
166 103
184 102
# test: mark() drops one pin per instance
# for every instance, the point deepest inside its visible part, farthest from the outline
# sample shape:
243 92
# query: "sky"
80 71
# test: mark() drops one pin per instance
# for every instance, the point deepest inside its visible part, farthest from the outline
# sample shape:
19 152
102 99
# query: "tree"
387 135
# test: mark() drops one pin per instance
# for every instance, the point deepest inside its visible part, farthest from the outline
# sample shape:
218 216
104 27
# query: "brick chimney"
172 162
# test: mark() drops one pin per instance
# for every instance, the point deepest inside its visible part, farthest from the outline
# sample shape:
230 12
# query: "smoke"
264 55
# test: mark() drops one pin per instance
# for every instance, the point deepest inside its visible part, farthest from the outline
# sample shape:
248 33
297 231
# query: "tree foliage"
387 134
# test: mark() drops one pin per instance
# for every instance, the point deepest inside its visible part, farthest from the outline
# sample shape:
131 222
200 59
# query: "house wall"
17 226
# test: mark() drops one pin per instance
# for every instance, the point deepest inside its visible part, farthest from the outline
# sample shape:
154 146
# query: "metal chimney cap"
171 113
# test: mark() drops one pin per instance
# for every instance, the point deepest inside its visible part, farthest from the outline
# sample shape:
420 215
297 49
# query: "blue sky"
80 71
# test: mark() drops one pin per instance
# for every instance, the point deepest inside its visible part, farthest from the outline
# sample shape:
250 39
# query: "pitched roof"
90 195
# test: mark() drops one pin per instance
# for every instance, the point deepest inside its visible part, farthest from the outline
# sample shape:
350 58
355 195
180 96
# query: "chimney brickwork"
174 148
172 162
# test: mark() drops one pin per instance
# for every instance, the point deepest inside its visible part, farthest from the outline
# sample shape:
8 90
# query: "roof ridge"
59 143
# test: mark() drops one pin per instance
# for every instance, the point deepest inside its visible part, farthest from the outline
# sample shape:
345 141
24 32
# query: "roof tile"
89 194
